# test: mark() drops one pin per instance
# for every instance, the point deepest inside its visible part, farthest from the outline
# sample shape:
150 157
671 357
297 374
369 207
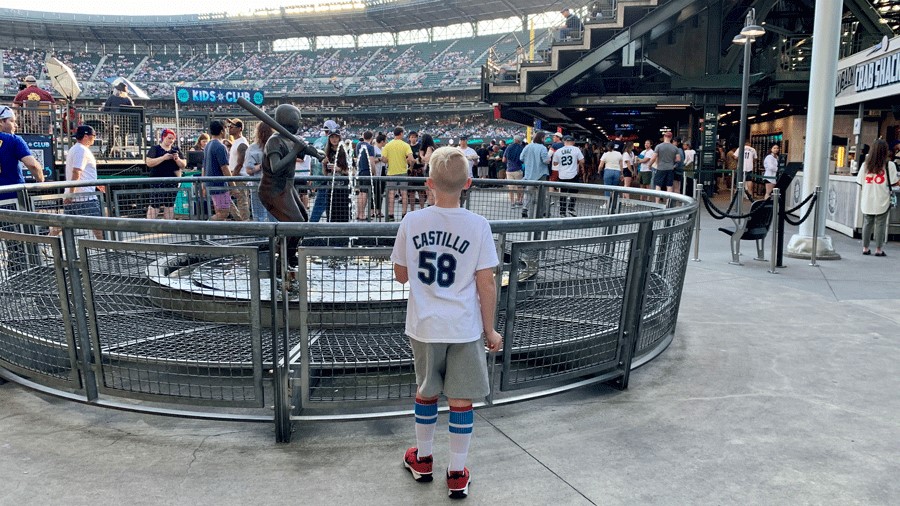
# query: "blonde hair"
449 170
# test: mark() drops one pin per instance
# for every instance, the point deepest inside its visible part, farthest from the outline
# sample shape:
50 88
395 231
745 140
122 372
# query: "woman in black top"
164 160
336 163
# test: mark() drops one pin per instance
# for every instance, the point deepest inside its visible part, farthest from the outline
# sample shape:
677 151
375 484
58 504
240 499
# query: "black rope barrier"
808 210
801 204
718 214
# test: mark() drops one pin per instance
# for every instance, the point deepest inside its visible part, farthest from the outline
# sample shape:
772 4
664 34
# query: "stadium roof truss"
22 27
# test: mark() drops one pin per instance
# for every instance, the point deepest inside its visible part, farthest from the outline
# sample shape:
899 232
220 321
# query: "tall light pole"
746 38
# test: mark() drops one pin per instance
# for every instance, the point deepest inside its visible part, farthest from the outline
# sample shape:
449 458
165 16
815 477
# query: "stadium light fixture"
746 38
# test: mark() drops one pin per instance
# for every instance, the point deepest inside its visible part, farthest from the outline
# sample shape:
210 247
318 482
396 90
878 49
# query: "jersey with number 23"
565 160
442 248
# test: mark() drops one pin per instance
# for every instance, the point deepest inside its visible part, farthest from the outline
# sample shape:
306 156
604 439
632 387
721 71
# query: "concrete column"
819 127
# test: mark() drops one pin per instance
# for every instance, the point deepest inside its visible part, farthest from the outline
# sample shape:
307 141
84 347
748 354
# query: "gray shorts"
459 370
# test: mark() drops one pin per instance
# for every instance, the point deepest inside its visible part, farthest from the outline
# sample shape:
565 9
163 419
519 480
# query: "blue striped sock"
461 423
426 419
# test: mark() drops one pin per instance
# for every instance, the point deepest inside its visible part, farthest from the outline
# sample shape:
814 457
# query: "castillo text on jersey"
440 238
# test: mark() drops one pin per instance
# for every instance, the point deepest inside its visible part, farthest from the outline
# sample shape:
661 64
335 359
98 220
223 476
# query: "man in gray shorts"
450 307
667 156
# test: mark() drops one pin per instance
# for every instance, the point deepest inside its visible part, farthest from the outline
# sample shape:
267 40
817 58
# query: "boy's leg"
426 420
462 419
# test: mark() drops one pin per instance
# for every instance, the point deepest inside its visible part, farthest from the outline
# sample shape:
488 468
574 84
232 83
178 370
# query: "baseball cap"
464 137
121 86
29 79
83 130
236 122
331 126
6 112
568 138
564 9
557 134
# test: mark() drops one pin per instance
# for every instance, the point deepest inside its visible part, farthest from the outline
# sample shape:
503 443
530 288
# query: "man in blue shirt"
514 169
215 164
12 151
535 158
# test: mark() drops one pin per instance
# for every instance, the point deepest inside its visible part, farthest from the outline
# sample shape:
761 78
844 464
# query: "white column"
819 127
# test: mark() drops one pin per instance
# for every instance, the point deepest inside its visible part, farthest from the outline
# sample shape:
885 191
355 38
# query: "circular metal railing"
197 318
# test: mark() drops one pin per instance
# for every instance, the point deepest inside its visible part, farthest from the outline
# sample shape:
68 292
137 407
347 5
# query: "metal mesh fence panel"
35 118
36 336
175 322
564 316
120 135
665 279
355 315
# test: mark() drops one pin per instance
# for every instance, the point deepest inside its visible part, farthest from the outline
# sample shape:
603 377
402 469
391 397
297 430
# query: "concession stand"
868 81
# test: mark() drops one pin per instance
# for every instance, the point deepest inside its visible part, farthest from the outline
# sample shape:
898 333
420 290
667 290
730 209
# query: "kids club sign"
216 96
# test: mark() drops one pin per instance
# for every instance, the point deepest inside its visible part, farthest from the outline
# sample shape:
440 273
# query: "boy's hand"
494 341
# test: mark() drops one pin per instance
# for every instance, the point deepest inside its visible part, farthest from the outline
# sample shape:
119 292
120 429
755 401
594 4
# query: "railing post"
635 283
776 209
85 355
698 194
280 354
815 235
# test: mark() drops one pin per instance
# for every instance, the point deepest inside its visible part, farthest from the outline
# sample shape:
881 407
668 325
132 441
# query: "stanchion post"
776 209
698 194
815 235
739 210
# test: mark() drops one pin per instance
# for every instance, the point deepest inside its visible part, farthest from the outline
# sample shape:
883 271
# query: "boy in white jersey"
568 161
451 306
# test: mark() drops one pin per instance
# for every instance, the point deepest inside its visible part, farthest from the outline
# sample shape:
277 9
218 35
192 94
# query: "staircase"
566 61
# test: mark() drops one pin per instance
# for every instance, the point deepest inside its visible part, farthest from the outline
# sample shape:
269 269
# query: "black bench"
753 228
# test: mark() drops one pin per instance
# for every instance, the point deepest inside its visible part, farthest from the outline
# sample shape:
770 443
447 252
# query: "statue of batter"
276 189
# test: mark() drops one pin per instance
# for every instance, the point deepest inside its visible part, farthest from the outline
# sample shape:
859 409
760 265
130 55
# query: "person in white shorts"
452 295
770 164
750 156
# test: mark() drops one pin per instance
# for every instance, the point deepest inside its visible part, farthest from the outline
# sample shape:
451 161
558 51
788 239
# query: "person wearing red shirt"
32 93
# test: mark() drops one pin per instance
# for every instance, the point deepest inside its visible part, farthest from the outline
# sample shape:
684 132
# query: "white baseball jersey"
749 157
565 160
442 248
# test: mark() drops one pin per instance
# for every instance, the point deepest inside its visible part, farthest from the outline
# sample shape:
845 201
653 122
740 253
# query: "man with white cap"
12 151
32 93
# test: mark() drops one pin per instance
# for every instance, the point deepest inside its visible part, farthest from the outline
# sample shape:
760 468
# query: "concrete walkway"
778 389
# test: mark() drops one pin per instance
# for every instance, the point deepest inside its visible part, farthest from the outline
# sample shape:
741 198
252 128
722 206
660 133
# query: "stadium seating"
444 64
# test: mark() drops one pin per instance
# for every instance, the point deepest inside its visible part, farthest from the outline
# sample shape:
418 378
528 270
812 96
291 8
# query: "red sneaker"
420 468
458 483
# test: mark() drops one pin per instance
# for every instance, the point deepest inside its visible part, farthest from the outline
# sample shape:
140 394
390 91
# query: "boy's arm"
487 300
401 274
